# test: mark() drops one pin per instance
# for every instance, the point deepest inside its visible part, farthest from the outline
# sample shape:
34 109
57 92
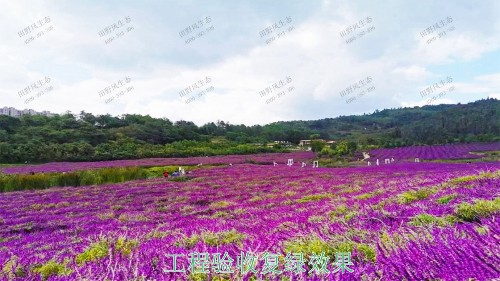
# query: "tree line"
88 137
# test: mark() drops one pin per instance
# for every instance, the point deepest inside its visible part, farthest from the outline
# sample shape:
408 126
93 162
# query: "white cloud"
413 72
320 63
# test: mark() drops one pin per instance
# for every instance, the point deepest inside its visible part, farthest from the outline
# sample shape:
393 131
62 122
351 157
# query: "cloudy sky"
146 53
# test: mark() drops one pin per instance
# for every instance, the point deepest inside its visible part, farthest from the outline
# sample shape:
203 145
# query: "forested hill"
86 137
477 121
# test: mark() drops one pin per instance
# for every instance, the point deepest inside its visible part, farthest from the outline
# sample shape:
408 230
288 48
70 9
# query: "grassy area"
17 182
332 163
479 209
10 165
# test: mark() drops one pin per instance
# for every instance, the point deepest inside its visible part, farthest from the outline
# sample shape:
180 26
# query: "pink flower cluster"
263 158
433 152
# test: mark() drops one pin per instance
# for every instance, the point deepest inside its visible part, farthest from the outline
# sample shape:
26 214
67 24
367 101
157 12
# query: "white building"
29 112
12 112
47 113
15 113
4 111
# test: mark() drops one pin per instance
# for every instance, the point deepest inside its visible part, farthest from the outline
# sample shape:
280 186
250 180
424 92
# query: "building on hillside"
29 112
308 142
305 142
13 112
283 143
4 111
47 113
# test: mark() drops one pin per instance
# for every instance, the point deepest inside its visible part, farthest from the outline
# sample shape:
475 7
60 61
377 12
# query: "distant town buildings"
13 112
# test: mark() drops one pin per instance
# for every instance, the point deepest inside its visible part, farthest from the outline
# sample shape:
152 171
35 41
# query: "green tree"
314 136
317 145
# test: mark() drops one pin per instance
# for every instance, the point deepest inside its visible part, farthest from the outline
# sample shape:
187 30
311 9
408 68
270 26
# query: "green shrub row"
79 178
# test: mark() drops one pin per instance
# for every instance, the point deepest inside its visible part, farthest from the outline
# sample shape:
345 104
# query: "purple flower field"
212 160
408 221
449 151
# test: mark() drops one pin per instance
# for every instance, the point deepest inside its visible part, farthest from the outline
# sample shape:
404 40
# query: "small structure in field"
182 172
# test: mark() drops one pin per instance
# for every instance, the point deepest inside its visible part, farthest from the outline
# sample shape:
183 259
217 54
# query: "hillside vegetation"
86 137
